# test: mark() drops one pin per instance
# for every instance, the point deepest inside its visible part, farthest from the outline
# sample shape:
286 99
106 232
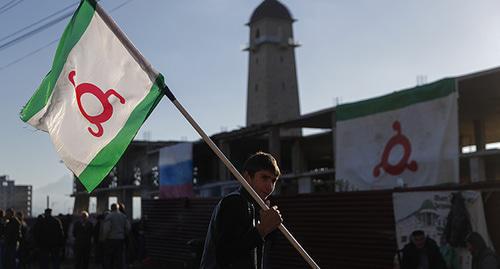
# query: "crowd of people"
422 252
108 240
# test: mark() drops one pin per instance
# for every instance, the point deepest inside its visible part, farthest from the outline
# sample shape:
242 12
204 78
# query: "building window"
282 85
257 33
281 59
256 60
256 87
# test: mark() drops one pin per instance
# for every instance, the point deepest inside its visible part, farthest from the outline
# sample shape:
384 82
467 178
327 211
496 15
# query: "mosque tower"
272 93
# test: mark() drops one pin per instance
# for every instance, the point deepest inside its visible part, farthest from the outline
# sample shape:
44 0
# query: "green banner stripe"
396 100
107 158
72 34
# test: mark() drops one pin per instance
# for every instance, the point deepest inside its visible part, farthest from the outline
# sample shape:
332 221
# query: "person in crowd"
65 222
99 239
422 253
22 251
82 232
49 237
12 237
116 227
2 237
127 248
482 256
237 230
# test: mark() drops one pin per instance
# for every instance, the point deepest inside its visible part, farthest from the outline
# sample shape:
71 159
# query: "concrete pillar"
81 203
298 160
102 202
225 147
334 139
127 199
477 169
305 185
476 164
275 143
479 135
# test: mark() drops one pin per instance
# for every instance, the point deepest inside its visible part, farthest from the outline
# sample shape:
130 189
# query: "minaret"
272 93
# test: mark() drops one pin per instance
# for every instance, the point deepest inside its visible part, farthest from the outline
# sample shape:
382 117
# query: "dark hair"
114 207
261 161
10 211
417 233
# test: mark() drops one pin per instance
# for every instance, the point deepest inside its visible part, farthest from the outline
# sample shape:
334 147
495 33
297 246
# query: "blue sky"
350 49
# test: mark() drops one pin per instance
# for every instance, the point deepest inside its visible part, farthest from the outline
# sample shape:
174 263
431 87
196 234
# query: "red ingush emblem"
398 139
107 112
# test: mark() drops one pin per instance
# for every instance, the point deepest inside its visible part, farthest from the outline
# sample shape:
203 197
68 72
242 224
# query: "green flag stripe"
104 161
396 100
72 34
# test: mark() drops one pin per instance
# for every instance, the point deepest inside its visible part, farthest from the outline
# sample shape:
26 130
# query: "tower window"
257 33
282 85
281 59
256 87
257 60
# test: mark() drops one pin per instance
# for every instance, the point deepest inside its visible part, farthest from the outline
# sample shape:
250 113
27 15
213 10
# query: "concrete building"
274 120
134 176
14 196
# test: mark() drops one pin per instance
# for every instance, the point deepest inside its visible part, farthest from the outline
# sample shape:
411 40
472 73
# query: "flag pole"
237 175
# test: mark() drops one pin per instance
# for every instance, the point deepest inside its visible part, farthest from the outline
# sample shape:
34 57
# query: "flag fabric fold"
95 98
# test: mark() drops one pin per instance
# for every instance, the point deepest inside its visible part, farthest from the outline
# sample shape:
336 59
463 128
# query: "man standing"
116 228
422 253
82 231
50 239
12 236
2 238
482 256
237 230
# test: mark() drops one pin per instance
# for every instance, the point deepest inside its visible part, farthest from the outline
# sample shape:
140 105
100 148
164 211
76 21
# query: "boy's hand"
270 219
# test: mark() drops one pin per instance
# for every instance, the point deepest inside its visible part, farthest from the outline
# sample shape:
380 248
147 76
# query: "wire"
33 32
29 54
38 22
52 42
8 3
6 7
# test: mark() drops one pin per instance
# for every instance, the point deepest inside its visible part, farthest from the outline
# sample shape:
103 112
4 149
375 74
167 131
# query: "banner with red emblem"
405 139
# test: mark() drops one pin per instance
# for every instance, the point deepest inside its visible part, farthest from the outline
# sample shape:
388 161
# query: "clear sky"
351 49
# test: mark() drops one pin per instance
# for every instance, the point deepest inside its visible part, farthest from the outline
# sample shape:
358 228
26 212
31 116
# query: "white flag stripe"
175 154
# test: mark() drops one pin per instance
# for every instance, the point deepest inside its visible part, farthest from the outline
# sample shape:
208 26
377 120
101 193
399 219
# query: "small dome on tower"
270 9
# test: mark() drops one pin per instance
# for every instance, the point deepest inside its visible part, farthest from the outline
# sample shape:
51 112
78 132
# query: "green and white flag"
96 96
408 138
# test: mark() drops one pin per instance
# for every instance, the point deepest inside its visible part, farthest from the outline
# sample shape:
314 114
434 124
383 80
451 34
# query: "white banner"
408 138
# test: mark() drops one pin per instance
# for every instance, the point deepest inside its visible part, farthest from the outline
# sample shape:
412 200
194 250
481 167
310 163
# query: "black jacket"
12 231
232 240
411 256
82 231
49 232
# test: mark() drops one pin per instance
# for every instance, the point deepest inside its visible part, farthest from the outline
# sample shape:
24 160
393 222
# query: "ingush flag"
407 138
96 96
